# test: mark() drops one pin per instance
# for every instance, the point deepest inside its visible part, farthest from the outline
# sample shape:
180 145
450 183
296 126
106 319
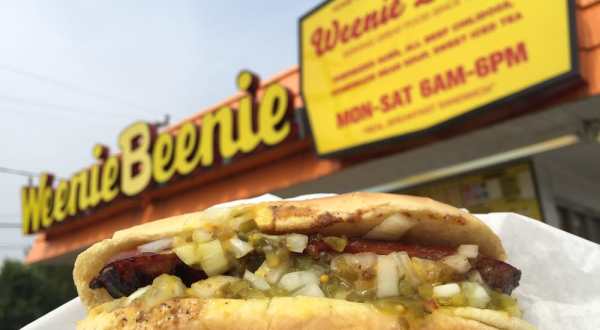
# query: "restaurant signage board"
381 70
150 157
503 188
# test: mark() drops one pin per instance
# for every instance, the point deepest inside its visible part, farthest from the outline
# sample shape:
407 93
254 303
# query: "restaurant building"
538 156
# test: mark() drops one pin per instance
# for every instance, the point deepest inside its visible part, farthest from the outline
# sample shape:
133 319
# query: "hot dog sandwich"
352 261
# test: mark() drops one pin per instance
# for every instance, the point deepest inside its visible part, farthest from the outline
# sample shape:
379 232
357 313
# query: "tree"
30 291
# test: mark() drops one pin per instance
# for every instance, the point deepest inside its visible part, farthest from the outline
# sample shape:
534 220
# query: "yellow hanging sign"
380 69
149 157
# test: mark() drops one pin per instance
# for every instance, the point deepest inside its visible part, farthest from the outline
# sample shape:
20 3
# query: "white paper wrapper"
559 290
560 284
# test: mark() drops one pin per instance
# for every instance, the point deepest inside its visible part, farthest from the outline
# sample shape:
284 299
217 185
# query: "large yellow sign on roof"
152 159
380 69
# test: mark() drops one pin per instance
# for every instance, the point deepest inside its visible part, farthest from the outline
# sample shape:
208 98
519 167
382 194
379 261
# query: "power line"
75 88
28 174
18 172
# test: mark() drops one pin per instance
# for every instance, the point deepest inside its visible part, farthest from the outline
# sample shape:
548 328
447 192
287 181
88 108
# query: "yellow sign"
510 188
378 69
147 157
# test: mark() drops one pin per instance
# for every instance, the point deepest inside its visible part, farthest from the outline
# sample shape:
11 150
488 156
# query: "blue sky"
74 73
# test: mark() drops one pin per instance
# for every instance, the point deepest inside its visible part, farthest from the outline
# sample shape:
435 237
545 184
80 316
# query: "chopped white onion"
272 275
310 290
263 269
239 247
211 287
236 222
295 280
468 250
476 294
296 242
138 293
475 276
187 253
201 236
363 260
256 281
387 277
446 290
479 298
319 269
405 267
275 274
458 262
215 214
391 228
212 257
156 246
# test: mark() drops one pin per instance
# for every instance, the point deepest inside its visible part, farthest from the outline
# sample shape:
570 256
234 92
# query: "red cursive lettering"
324 39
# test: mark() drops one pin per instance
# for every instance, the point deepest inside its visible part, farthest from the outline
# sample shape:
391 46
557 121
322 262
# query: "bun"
277 313
353 215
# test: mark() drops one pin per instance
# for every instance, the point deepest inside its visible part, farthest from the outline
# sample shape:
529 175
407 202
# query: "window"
579 221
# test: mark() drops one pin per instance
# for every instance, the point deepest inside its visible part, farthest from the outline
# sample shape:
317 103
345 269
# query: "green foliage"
30 291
